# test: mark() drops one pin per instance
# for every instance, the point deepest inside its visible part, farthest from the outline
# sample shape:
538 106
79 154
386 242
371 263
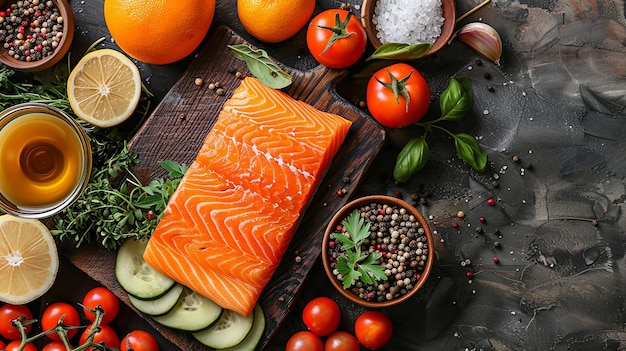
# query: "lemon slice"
28 259
104 88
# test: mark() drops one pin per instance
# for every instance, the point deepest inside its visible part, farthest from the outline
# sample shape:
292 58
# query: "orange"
273 21
158 31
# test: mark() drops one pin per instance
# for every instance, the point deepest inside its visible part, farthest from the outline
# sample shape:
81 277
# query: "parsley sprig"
357 264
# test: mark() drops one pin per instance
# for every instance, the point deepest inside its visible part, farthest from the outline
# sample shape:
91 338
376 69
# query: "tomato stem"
399 88
339 30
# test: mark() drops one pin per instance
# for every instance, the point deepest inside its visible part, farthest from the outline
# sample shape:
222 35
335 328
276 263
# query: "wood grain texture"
177 128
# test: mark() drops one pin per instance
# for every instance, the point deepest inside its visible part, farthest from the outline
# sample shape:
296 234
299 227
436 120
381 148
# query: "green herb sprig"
357 264
455 102
116 205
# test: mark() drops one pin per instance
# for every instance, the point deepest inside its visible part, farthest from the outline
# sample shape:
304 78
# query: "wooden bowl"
64 44
447 30
342 214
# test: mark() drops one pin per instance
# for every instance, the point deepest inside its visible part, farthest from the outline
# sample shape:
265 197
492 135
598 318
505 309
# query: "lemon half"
104 88
29 259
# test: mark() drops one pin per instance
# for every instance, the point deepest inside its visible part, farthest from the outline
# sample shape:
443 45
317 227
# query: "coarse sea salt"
408 21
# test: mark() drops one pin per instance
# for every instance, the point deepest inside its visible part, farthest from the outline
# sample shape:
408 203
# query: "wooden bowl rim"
447 30
64 45
342 213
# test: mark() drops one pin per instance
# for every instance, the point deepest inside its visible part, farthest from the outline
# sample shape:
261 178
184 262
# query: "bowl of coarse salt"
409 22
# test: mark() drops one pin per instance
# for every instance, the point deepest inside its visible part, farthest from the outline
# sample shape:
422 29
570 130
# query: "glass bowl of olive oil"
45 160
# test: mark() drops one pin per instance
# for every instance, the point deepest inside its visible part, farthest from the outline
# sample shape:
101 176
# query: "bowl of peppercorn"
35 34
420 22
378 251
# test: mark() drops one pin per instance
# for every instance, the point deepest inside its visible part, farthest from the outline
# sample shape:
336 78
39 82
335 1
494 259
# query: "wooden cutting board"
179 125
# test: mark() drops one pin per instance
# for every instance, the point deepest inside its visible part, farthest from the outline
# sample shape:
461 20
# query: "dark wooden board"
176 130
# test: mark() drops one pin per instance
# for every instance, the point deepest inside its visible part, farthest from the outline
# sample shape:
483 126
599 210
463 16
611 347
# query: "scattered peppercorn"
487 75
479 230
515 158
491 202
469 274
198 81
496 260
460 214
219 91
491 88
211 86
482 219
497 245
495 184
479 62
594 223
455 224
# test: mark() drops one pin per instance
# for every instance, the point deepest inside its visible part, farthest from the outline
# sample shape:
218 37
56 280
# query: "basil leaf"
411 159
400 51
261 66
457 99
468 149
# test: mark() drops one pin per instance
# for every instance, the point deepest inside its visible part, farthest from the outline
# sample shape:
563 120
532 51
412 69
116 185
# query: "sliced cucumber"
135 275
193 312
229 331
158 306
254 336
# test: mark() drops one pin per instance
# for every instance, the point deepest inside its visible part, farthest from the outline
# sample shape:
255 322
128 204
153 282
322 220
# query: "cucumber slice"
254 336
158 306
135 275
192 313
229 331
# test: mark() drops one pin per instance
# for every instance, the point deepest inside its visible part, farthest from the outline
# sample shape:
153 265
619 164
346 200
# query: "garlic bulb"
483 38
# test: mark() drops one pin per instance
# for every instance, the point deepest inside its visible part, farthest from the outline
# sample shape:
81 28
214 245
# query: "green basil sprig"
400 51
261 66
455 102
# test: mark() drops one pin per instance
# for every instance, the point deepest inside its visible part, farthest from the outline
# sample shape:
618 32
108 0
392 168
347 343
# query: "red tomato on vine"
139 340
52 315
336 38
397 95
103 297
10 312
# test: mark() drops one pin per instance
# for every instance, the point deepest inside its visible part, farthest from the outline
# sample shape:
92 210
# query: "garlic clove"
483 38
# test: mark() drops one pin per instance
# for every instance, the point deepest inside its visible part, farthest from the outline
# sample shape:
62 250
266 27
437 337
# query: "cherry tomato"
15 346
139 340
2 345
101 296
105 335
54 346
404 107
341 341
321 315
336 38
10 312
304 341
373 329
52 315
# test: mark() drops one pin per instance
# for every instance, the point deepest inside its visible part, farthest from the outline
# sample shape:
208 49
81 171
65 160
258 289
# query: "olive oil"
42 160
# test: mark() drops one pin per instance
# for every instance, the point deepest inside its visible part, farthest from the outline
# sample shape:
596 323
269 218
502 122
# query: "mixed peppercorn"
31 30
402 241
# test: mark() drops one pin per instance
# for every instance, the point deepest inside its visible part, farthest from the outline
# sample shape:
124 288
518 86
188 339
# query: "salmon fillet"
228 224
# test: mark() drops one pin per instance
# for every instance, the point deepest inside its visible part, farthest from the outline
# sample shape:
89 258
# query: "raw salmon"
228 224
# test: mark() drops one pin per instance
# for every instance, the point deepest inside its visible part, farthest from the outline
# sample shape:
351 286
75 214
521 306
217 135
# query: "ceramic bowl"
68 34
447 30
342 214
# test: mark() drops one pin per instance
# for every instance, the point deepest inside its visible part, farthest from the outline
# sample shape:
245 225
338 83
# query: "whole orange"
273 21
158 31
